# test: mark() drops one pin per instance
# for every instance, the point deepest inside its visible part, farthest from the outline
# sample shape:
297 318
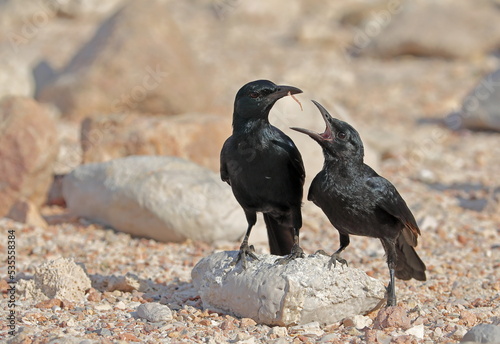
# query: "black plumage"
265 169
358 201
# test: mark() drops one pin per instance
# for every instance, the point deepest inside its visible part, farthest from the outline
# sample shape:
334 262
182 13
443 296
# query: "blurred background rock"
117 78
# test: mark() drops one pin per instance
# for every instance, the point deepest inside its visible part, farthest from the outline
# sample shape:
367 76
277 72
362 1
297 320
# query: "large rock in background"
15 77
28 149
458 29
483 333
163 198
196 137
137 60
300 292
481 107
77 8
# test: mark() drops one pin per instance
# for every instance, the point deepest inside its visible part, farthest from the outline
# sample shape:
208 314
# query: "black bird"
265 170
358 201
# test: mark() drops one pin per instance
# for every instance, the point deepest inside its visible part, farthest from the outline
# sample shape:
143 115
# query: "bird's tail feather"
280 236
409 264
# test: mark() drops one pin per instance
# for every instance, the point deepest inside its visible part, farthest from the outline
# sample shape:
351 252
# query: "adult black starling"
264 169
358 201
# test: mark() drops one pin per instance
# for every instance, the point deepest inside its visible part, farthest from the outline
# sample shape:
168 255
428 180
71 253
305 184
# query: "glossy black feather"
263 165
358 201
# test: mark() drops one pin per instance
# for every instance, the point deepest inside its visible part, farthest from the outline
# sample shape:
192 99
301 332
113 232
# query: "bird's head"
255 99
339 140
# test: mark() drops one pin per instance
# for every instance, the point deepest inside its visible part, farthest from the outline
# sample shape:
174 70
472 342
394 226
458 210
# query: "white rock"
300 292
61 278
163 198
120 305
15 78
358 321
417 331
483 333
279 331
308 329
154 312
103 307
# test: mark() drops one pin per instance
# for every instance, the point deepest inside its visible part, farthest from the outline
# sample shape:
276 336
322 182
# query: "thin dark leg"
392 256
344 242
245 249
296 252
391 290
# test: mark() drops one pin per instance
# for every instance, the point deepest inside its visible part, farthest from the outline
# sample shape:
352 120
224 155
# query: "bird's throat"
249 125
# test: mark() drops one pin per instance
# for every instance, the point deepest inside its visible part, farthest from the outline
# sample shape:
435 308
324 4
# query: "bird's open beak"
283 91
327 135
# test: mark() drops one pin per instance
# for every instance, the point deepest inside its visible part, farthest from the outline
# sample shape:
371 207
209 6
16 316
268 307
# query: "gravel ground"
449 179
459 246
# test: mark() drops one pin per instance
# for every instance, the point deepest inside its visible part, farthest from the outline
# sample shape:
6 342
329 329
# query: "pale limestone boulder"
300 292
163 198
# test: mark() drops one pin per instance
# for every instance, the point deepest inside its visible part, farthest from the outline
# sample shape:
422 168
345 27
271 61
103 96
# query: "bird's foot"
334 258
391 302
323 253
245 251
391 296
297 252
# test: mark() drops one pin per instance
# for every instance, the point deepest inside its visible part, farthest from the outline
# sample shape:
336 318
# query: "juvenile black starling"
358 201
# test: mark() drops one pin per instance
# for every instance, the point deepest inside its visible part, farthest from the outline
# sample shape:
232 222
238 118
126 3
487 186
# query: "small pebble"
103 307
417 331
278 331
154 312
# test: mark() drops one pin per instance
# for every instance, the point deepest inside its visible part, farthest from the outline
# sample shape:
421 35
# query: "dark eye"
341 135
253 95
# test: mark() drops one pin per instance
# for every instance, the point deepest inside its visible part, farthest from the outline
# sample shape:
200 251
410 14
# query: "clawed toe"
336 258
297 252
245 251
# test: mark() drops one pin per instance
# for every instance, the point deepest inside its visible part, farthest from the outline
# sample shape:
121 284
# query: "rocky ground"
73 69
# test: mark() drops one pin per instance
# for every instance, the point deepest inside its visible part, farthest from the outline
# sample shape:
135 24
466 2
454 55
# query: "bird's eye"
253 95
341 135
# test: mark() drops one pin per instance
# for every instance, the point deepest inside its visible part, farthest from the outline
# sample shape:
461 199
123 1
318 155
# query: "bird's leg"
392 256
245 249
391 290
334 258
296 252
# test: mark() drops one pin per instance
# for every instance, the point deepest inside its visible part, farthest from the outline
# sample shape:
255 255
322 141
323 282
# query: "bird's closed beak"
283 91
327 135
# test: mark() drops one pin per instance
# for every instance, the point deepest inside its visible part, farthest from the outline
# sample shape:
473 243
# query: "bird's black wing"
295 161
224 173
389 199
